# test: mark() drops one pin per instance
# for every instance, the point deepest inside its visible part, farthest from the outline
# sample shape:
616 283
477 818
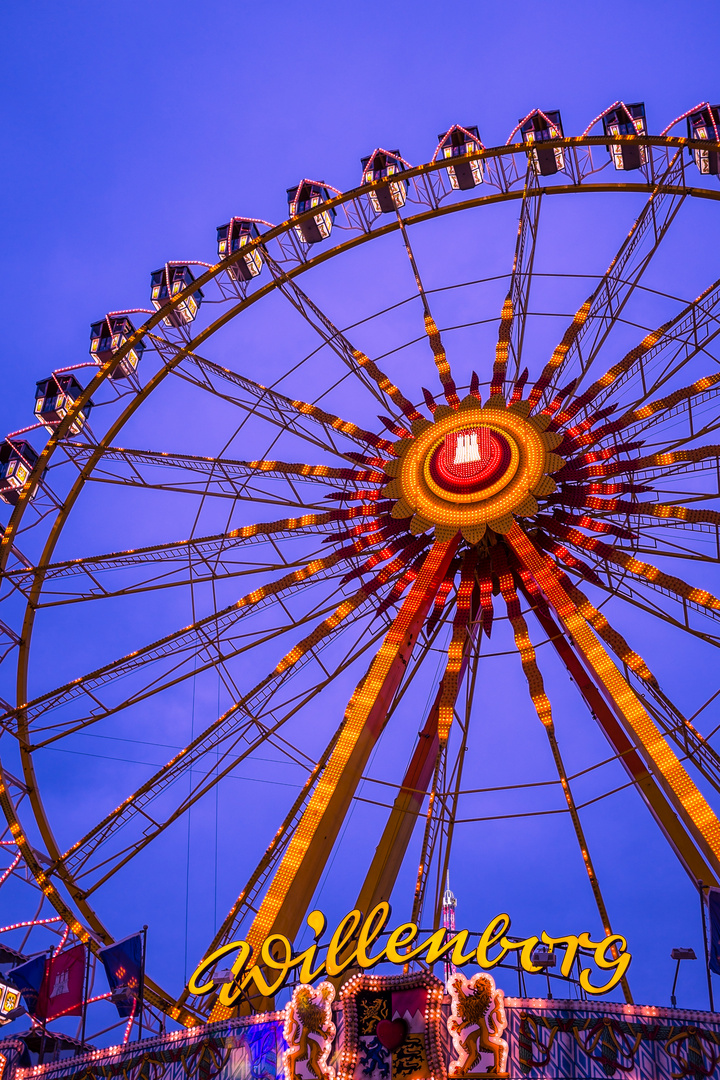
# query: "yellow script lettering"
491 935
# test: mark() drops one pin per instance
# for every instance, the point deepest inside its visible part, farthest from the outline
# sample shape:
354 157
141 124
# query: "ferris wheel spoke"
433 334
646 468
184 668
661 354
222 469
206 551
677 405
684 734
246 903
543 708
600 625
366 370
620 583
272 406
224 569
642 595
407 805
513 317
698 819
595 318
205 633
230 726
192 653
207 477
298 874
673 513
654 418
650 575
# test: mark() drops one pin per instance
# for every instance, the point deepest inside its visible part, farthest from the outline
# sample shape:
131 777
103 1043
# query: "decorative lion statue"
309 1032
476 1023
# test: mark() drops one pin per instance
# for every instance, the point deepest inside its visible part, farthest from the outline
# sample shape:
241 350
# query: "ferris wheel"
297 528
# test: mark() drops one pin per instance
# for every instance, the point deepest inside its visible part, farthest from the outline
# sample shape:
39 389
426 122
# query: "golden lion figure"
476 1023
309 1032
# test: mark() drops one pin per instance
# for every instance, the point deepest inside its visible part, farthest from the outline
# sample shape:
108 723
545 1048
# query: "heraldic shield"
392 1028
476 1023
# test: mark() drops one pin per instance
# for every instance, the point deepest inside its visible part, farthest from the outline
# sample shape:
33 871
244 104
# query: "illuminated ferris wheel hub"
473 468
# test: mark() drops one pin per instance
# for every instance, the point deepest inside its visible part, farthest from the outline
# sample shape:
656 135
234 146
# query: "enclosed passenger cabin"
454 145
233 236
539 128
17 460
107 336
54 397
307 196
379 166
624 119
166 283
705 124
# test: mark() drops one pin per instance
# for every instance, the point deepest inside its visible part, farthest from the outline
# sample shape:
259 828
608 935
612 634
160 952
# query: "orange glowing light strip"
441 362
644 412
560 352
485 584
387 387
345 426
502 349
664 510
287 524
457 646
615 372
635 566
523 644
441 596
364 701
509 593
611 637
301 469
697 813
653 461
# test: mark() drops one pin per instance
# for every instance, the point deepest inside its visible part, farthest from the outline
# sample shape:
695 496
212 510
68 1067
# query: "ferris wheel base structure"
546 1039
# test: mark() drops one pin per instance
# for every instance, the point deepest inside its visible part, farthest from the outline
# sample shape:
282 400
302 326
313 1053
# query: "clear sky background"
130 130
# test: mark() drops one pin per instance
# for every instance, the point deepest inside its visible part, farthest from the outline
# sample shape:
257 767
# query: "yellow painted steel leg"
290 892
691 806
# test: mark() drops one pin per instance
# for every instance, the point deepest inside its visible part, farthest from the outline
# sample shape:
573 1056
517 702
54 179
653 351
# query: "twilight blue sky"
128 132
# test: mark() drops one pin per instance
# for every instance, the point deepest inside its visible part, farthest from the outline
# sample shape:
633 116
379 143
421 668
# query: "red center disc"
470 460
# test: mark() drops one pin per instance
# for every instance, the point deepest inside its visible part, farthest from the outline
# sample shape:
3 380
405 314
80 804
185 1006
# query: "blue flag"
123 967
714 910
28 978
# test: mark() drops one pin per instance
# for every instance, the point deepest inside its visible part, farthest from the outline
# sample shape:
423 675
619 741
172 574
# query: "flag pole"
707 950
86 990
46 983
141 1000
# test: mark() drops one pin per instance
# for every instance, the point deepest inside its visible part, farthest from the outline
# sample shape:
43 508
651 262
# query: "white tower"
448 920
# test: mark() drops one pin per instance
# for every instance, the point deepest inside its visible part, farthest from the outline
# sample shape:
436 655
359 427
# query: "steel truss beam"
621 277
521 277
697 829
291 890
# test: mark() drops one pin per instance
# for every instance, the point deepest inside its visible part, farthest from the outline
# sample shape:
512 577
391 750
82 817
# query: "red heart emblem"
391 1033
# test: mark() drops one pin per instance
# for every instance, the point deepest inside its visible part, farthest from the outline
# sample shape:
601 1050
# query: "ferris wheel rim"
236 311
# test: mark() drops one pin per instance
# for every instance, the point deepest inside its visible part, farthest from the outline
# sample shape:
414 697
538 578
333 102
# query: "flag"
123 963
62 991
29 978
714 910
